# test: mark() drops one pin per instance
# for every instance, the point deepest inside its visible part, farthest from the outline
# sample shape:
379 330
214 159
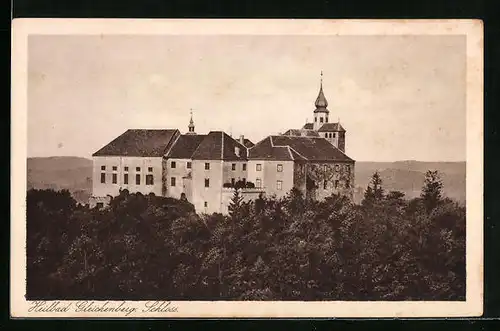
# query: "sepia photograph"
226 168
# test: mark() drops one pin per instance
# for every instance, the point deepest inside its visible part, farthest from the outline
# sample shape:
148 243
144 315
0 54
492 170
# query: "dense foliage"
148 247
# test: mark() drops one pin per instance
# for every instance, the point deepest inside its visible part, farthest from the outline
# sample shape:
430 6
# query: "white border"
473 29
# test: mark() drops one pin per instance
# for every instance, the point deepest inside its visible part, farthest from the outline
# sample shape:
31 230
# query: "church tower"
191 125
321 112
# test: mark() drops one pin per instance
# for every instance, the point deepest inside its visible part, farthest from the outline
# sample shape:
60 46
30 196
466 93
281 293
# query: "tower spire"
191 123
321 102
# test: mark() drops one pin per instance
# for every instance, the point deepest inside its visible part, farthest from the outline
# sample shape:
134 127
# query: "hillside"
75 174
408 177
61 172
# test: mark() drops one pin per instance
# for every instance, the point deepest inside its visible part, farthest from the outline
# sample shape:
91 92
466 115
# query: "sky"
398 97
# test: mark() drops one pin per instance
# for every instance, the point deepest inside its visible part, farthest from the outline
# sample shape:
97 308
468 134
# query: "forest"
146 247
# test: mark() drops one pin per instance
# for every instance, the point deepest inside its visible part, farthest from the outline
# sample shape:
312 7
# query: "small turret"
191 124
321 112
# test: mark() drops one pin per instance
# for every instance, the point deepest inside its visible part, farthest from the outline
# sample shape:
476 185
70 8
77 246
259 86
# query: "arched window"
321 119
330 135
315 119
326 119
326 135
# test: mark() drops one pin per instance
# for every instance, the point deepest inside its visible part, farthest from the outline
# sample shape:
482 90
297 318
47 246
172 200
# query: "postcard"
246 168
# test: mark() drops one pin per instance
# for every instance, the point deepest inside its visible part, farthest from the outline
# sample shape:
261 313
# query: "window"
114 178
207 166
325 184
149 180
315 119
279 168
258 167
326 119
103 167
126 168
244 166
125 179
103 177
326 135
150 169
115 168
188 165
137 179
258 183
205 204
330 135
232 181
336 183
279 185
321 119
207 182
333 135
233 166
137 168
172 181
172 164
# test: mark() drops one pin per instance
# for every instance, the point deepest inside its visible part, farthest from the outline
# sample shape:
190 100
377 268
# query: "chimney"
242 140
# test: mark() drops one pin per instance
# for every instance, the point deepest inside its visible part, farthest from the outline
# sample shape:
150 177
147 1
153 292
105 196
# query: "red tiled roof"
140 142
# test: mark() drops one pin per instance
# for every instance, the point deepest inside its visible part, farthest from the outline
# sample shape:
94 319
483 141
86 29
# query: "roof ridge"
297 152
222 147
169 148
290 152
194 152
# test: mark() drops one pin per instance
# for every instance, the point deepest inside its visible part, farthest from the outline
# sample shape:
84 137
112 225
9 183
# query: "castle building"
205 168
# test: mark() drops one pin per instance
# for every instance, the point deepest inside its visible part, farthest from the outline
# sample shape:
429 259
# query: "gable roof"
248 143
264 150
312 149
185 146
331 127
308 126
140 142
217 145
301 132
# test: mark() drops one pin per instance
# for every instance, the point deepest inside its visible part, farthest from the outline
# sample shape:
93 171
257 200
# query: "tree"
432 191
374 192
235 204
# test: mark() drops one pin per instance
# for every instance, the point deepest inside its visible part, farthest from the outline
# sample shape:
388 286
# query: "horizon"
365 161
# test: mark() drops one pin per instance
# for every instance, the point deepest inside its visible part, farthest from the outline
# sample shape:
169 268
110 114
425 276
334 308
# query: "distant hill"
408 177
75 175
61 172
